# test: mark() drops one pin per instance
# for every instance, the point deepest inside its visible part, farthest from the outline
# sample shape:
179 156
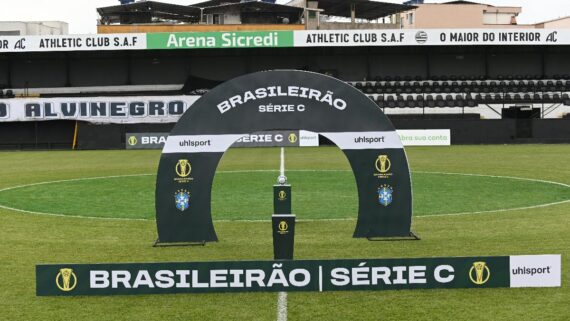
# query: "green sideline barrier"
302 275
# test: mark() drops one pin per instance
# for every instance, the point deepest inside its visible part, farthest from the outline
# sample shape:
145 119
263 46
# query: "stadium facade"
493 85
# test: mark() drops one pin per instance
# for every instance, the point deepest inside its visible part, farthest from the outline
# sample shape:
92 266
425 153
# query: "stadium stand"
463 91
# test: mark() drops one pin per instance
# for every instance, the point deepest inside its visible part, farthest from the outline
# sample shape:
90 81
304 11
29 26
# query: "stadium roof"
214 3
365 9
465 2
144 11
257 6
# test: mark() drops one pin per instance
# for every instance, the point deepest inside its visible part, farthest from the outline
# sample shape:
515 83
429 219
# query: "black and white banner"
278 138
288 38
131 41
430 37
120 110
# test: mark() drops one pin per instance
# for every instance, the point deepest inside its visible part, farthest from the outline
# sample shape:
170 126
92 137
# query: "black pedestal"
283 236
282 199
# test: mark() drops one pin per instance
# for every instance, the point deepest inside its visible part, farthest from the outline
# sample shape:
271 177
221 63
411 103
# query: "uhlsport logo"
292 138
182 199
283 227
282 195
479 273
133 140
66 280
383 165
183 169
385 193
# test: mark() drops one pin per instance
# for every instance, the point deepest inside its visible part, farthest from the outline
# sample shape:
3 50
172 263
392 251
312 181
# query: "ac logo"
479 273
552 37
66 280
383 165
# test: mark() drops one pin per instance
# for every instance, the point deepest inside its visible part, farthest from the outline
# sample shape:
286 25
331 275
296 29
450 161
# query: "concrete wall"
469 64
231 16
406 64
559 23
150 28
523 63
95 71
432 15
118 68
351 26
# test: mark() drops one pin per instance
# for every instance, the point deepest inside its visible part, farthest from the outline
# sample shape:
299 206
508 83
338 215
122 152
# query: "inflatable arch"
282 100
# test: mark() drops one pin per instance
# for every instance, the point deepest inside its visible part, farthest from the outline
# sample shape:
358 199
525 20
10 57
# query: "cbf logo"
385 195
182 199
66 280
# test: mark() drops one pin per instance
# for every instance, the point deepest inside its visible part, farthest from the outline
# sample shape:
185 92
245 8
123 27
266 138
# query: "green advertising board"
230 39
301 275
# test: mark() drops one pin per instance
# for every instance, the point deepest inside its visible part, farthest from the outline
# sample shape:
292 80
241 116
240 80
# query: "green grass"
239 195
27 240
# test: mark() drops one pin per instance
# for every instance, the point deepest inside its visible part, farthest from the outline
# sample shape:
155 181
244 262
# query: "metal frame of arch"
277 100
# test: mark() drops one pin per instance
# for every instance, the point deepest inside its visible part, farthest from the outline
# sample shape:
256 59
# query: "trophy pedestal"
283 223
282 199
283 236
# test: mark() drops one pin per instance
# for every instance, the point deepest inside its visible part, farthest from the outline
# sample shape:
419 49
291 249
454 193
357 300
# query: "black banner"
303 275
145 140
281 138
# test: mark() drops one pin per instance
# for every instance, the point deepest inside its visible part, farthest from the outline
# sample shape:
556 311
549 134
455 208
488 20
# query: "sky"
82 15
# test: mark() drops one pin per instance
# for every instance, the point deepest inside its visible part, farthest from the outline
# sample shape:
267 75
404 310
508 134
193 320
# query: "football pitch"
98 207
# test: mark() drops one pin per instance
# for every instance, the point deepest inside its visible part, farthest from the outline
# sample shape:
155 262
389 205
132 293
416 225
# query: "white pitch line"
74 216
298 170
282 164
497 210
282 306
71 180
496 176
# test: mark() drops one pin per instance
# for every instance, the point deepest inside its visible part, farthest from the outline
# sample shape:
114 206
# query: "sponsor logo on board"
66 280
479 273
